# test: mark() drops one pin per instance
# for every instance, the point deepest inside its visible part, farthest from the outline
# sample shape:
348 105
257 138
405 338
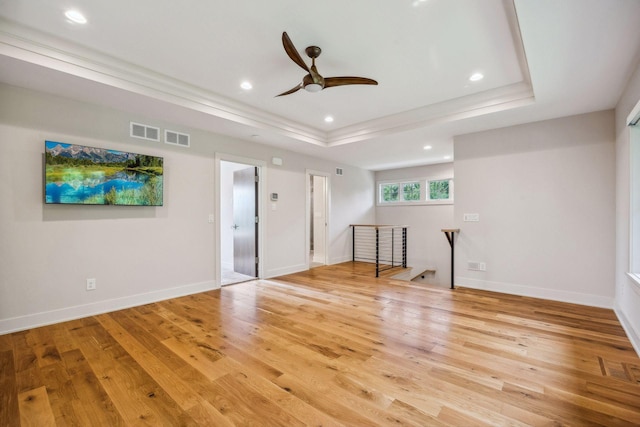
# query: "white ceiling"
184 62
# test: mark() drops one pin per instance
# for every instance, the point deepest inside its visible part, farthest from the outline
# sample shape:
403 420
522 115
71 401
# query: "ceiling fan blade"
292 52
290 91
341 81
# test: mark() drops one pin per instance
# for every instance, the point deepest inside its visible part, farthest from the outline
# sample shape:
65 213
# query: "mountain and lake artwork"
75 174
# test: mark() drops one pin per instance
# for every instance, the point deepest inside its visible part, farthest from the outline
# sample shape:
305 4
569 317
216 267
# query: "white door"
318 217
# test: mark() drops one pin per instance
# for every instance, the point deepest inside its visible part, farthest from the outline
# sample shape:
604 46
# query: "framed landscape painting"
76 174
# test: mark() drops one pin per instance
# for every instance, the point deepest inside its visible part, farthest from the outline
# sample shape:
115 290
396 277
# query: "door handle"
235 226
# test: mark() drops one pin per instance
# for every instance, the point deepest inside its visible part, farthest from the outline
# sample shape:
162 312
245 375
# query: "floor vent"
177 138
141 131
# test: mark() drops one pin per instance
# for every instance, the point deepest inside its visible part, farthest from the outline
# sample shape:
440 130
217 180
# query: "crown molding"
491 101
32 46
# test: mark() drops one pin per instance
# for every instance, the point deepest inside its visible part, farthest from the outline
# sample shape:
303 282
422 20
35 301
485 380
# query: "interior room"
182 186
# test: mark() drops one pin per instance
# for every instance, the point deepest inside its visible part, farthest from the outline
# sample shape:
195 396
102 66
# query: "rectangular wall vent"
138 130
177 138
338 171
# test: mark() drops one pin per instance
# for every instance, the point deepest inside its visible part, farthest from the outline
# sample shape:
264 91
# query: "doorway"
317 218
239 225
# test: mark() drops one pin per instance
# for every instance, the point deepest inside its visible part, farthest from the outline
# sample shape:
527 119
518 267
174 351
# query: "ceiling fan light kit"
314 82
313 87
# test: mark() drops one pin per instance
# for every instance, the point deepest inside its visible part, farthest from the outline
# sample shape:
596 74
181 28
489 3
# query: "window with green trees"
439 190
419 191
389 193
411 191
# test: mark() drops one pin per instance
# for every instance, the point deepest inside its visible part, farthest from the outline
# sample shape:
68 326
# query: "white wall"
627 302
137 254
545 195
426 243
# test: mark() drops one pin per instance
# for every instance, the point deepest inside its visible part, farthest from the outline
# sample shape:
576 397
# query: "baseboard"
531 291
285 270
628 328
79 311
347 258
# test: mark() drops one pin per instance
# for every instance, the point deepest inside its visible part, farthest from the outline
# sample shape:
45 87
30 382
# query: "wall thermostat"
274 197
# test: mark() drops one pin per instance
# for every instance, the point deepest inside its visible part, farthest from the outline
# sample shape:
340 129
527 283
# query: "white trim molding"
628 328
285 270
44 318
535 292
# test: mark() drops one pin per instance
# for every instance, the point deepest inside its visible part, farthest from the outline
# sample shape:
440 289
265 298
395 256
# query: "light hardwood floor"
331 346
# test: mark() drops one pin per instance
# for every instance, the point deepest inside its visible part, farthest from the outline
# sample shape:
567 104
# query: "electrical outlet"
476 266
91 284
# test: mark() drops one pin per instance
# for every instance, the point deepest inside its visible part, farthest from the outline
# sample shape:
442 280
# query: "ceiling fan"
314 82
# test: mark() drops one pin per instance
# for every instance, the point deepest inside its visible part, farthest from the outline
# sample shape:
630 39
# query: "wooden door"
245 219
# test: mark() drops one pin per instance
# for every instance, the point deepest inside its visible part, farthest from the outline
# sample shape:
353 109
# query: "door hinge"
257 220
257 178
257 260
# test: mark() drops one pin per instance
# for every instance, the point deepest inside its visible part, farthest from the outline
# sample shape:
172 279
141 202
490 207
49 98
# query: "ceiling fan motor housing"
310 85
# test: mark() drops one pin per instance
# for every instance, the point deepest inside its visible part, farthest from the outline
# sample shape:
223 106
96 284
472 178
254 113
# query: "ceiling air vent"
338 171
177 138
141 131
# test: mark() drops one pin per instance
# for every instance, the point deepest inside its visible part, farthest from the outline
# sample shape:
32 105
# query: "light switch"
471 217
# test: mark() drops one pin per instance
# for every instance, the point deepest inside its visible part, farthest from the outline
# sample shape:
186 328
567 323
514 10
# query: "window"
439 189
422 191
411 191
389 193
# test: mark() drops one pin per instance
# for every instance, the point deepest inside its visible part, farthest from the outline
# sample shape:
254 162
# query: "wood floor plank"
35 409
166 377
9 411
245 406
296 407
92 405
59 388
137 397
323 402
147 339
332 346
43 346
28 375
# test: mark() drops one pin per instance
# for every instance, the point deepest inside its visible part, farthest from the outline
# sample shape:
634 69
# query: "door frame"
262 186
308 174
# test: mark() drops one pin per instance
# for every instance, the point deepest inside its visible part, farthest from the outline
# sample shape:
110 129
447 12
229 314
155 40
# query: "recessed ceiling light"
328 119
246 85
447 157
427 147
75 16
476 77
